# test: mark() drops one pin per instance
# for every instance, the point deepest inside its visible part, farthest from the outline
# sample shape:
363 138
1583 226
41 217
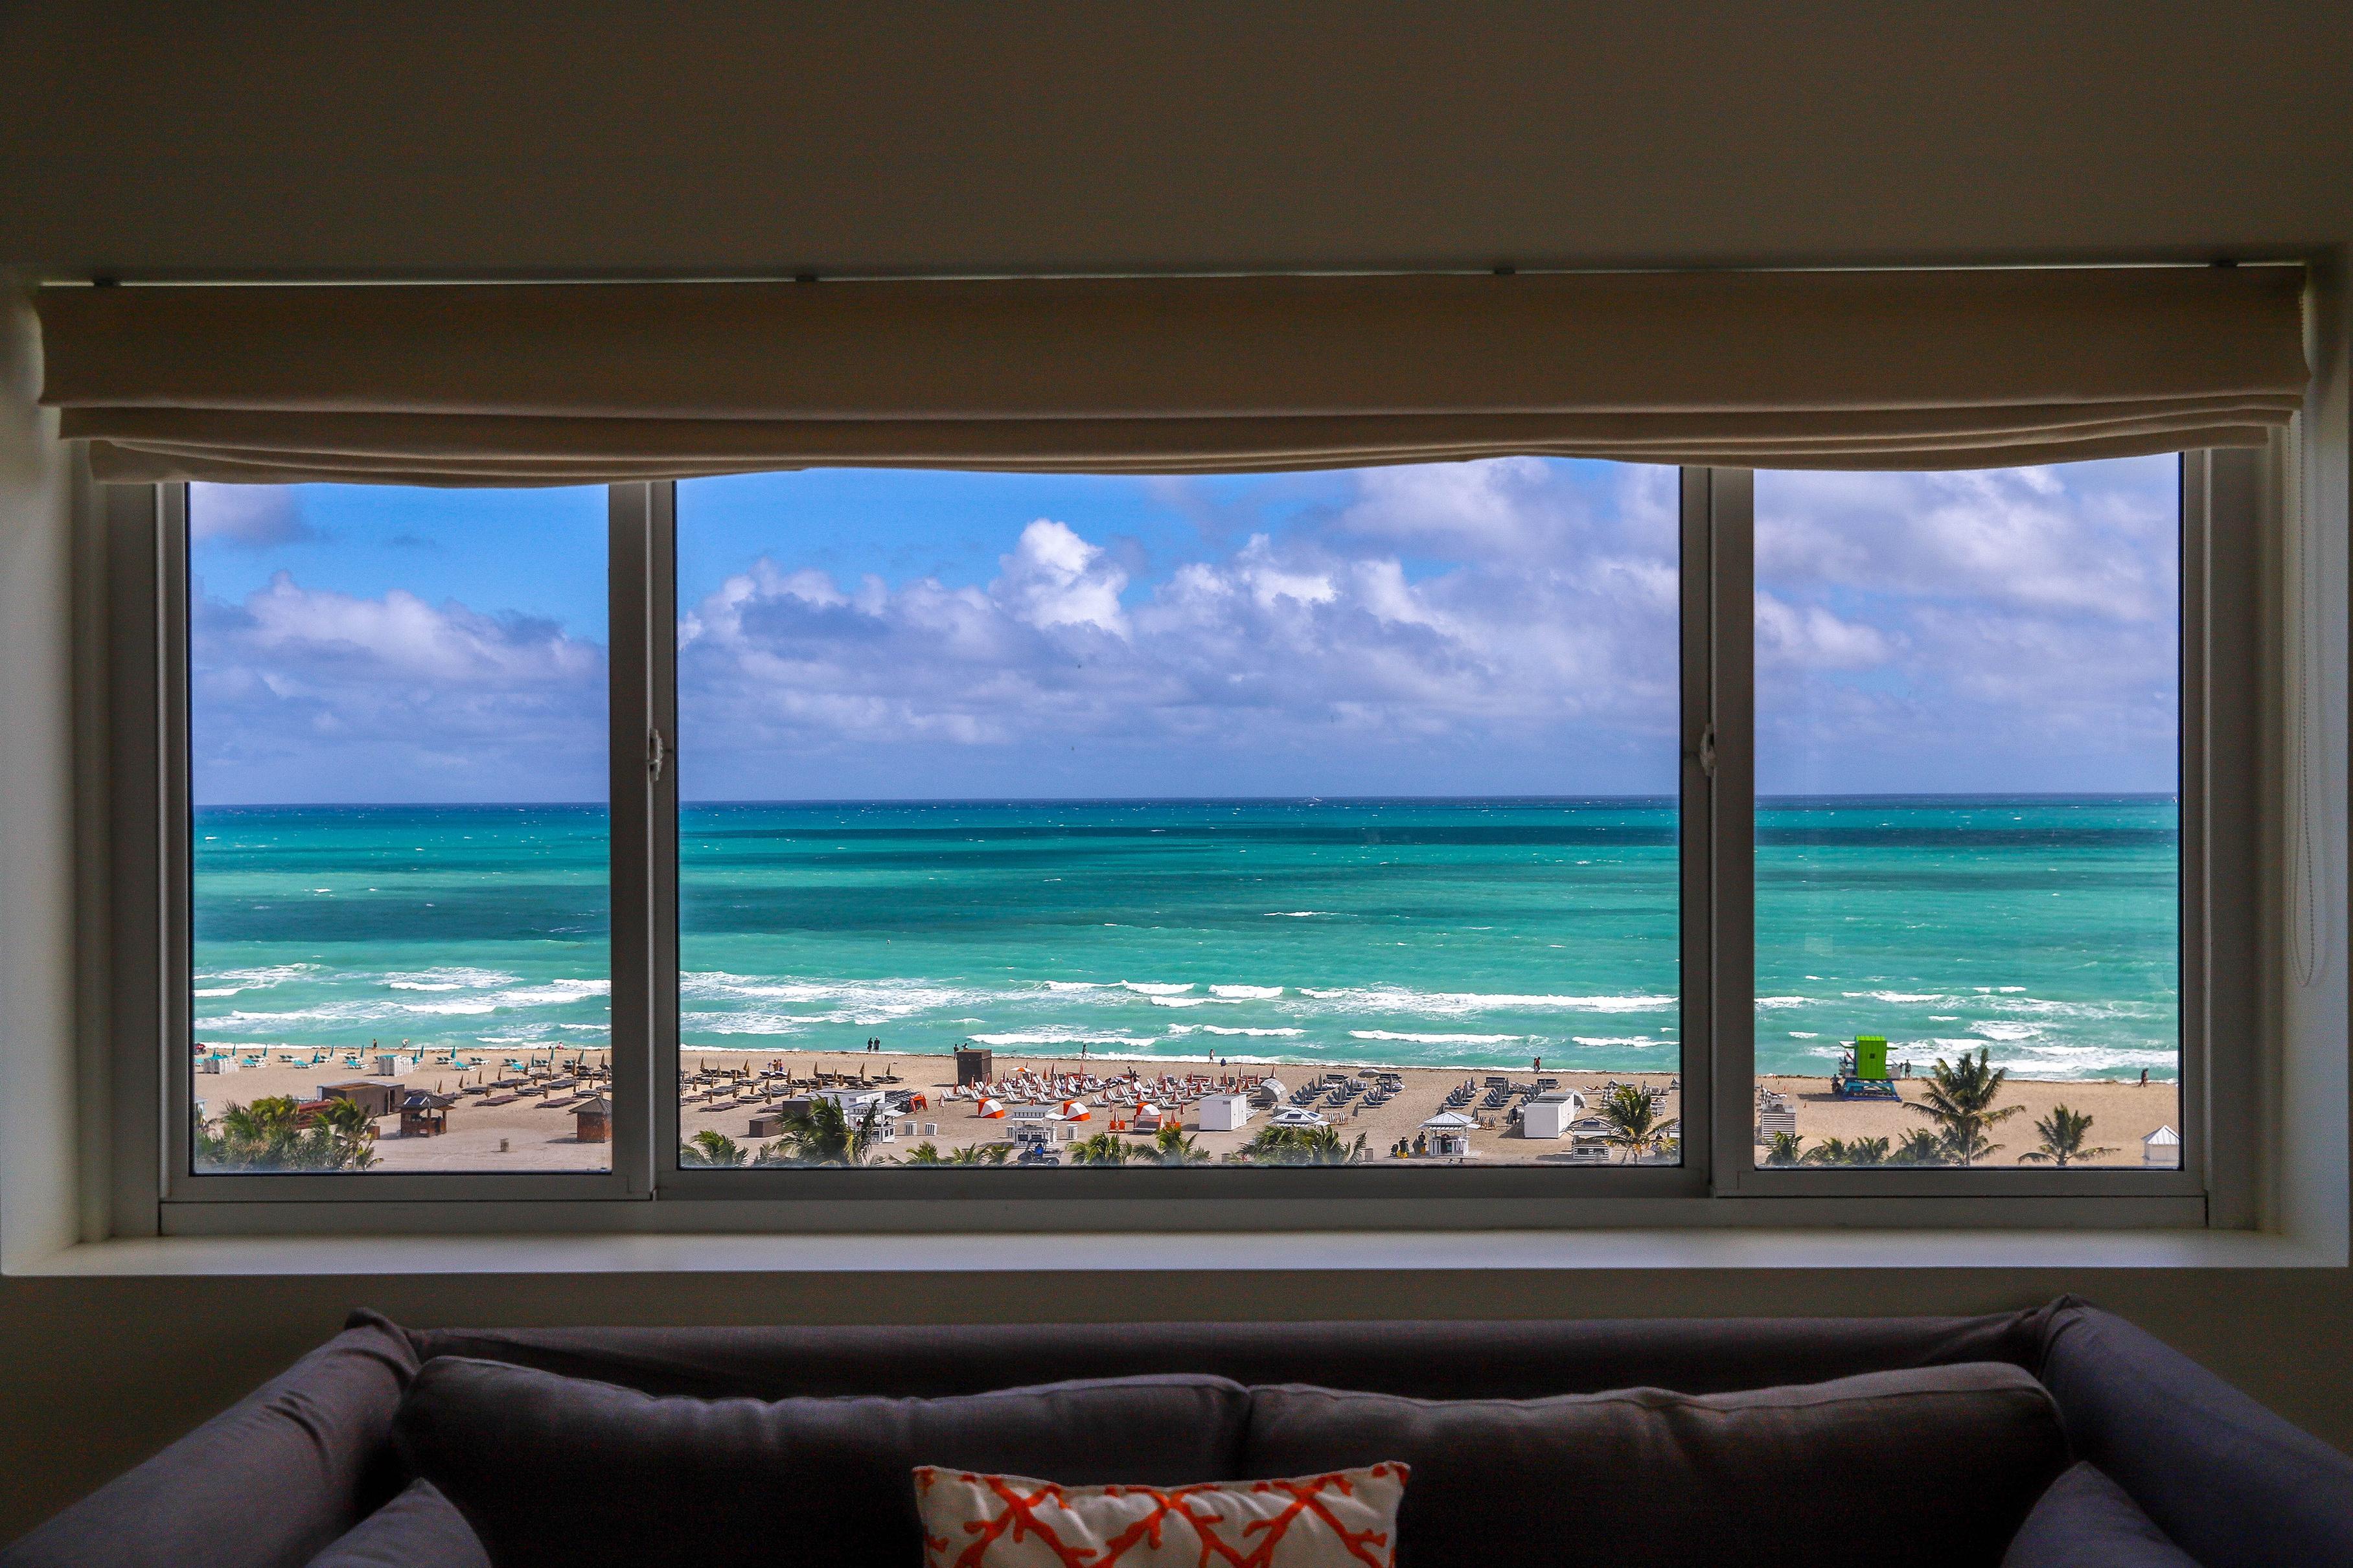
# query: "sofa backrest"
1466 1360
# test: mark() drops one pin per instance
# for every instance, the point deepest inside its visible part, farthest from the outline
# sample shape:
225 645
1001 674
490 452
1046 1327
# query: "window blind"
543 384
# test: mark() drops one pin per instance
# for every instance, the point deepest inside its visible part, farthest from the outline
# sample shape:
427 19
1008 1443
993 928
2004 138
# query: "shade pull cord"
2307 907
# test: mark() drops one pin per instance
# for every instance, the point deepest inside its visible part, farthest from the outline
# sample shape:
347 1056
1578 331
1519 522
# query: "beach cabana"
1298 1116
1077 1111
993 1110
975 1066
2162 1148
1270 1091
377 1097
424 1114
1449 1133
591 1120
1224 1112
1549 1114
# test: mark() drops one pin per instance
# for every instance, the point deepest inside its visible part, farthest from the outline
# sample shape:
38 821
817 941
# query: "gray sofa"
2057 1436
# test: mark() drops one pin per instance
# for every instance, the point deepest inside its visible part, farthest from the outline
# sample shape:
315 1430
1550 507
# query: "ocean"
1429 932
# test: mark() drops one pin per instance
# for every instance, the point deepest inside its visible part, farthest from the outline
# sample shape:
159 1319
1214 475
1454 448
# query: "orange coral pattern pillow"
1345 1520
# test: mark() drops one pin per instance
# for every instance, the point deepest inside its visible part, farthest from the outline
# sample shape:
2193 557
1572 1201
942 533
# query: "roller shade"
547 383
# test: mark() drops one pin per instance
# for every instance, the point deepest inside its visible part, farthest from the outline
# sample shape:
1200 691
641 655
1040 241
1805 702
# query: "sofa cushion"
2086 1520
1346 1519
419 1529
565 1471
1932 1468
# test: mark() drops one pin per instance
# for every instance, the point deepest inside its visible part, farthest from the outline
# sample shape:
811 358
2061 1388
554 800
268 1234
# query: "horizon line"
1762 798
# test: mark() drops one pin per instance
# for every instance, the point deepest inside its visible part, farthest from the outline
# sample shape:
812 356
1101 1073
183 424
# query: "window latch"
1707 750
657 753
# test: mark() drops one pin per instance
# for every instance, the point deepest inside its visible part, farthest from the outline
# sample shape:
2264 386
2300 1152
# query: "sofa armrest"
2234 1485
265 1484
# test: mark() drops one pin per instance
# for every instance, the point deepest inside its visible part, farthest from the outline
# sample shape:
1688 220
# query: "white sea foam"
1770 1002
1897 998
1246 993
1060 1038
1072 984
1433 1040
218 990
1193 1001
1296 914
1145 989
1637 1041
1395 999
1266 1034
449 978
2006 1032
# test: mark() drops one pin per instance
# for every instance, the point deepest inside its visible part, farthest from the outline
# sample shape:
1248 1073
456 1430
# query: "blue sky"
1503 627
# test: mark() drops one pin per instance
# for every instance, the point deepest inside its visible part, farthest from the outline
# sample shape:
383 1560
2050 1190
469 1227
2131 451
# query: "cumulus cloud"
309 694
1312 647
251 517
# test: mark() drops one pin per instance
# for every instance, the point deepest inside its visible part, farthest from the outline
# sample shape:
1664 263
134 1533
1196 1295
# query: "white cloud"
1811 637
310 694
1054 578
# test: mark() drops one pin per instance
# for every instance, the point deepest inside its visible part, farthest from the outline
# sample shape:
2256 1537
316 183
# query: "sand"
538 1133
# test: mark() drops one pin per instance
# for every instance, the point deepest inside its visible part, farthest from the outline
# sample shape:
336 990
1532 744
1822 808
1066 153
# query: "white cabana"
2162 1148
1551 1113
1299 1116
1449 1133
1224 1112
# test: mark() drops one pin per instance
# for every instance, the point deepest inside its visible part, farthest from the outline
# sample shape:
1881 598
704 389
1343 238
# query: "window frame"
148 1068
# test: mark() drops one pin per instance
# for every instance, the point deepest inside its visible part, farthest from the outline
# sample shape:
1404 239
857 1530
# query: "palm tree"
926 1153
1104 1149
1634 1124
1302 1146
824 1135
272 1134
708 1149
2063 1138
1171 1147
980 1154
1921 1146
1785 1149
1959 1098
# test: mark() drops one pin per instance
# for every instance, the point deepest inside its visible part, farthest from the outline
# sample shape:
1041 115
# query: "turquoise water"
1428 931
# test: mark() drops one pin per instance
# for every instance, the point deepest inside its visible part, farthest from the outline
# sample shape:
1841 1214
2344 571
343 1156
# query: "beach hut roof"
2163 1135
595 1105
1450 1121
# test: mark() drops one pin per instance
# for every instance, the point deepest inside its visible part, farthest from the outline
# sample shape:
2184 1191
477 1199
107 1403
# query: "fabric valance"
563 383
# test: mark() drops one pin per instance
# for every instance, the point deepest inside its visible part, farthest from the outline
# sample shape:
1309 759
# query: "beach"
537 1132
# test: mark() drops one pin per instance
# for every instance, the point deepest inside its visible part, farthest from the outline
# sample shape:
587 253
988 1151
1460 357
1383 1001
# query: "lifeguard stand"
1863 1075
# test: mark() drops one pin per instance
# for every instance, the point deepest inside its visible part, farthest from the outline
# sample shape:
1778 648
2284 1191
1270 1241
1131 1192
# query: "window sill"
1114 1252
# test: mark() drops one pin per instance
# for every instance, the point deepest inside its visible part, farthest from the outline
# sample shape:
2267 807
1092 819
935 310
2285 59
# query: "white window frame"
2229 517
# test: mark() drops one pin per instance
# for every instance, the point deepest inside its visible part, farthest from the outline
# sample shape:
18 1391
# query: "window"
1318 818
1536 832
1969 847
400 913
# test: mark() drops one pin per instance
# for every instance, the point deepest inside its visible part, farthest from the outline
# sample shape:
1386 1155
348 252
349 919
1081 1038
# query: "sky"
1497 628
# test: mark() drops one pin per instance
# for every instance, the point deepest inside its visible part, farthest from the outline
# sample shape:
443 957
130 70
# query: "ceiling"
594 138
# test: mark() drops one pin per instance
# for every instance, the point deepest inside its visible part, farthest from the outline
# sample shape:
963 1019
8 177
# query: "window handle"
657 753
1707 750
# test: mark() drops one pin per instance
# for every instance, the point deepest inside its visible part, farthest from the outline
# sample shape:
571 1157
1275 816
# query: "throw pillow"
1343 1519
2086 1520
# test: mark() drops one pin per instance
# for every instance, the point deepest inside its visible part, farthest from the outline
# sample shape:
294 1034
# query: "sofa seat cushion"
419 1529
2086 1520
1932 1468
569 1472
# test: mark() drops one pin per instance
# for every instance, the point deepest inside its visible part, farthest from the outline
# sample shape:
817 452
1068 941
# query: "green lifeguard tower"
1865 1074
1870 1056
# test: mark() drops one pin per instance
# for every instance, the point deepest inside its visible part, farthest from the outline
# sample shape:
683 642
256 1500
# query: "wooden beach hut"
975 1066
591 1120
424 1114
377 1097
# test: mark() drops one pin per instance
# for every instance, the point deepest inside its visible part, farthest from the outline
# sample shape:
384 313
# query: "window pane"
1967 823
1344 801
398 768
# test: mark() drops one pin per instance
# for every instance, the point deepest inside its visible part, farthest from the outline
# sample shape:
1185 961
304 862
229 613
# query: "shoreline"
538 1134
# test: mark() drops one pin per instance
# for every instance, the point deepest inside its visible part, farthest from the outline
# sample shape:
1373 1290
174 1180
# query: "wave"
1774 1002
1637 1041
1412 1039
449 979
1060 1038
1193 1001
1296 914
1146 989
2006 1032
1256 1034
1246 993
1072 984
1441 1004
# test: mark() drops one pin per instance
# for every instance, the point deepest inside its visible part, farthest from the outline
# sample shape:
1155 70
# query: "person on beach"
2144 1077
